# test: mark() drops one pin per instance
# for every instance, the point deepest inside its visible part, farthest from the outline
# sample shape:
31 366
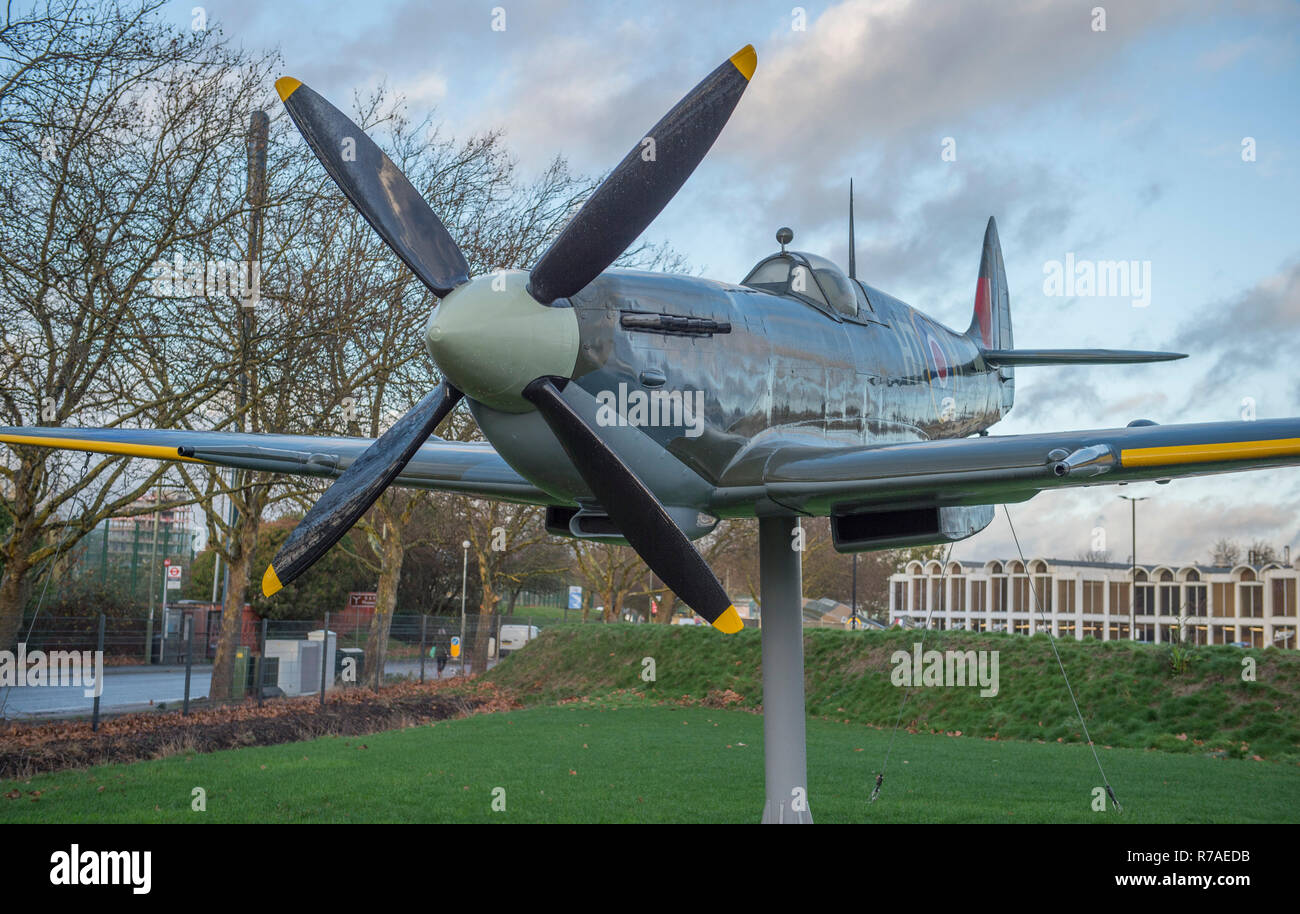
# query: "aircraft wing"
469 468
1008 468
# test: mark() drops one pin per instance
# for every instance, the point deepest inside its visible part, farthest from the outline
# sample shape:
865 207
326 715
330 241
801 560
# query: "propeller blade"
640 187
376 188
358 488
634 508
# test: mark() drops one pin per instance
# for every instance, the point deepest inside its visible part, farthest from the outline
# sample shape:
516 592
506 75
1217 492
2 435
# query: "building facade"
1245 604
126 554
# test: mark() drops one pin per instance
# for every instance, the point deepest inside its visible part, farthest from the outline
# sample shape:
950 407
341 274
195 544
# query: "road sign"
173 584
575 597
173 572
455 646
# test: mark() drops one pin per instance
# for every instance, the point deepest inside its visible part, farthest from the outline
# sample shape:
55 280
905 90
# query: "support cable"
1052 637
880 777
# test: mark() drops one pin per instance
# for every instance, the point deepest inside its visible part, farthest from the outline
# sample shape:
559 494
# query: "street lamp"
464 570
1132 599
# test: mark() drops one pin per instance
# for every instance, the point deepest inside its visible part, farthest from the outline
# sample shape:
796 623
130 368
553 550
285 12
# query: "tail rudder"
990 327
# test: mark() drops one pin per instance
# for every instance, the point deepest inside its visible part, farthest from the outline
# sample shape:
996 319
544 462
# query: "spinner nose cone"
491 338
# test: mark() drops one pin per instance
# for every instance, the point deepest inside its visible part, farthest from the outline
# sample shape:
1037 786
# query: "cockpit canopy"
807 276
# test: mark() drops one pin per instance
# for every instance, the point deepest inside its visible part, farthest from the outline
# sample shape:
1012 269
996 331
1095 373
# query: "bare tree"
1225 552
114 126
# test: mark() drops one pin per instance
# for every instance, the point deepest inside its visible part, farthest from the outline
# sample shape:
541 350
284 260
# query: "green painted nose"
491 338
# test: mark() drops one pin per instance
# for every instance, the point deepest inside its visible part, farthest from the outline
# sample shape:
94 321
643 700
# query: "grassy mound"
1127 692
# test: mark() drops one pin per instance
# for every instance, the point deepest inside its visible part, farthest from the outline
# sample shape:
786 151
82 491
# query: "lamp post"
1132 600
464 571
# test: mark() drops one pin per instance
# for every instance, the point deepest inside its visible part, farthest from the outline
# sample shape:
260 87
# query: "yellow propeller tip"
286 85
270 582
745 60
729 622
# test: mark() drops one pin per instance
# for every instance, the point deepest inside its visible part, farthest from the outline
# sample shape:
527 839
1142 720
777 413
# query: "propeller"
358 488
636 511
501 345
642 184
379 191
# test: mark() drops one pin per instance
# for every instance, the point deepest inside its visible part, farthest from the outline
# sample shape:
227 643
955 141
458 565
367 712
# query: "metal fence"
74 666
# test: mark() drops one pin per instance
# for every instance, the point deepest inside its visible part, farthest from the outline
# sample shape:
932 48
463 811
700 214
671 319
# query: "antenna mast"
853 260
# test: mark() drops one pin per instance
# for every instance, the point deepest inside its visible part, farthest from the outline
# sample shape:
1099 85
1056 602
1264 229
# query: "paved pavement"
134 687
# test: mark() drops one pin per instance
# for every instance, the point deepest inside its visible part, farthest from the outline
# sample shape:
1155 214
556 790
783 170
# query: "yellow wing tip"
746 61
729 622
286 85
270 582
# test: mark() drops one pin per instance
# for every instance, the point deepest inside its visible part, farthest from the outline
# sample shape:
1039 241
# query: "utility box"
349 661
297 670
330 640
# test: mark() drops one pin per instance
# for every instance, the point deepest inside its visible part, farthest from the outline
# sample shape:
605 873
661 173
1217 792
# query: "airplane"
643 408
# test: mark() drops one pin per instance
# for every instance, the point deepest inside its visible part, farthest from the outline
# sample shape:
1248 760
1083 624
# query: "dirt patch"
26 750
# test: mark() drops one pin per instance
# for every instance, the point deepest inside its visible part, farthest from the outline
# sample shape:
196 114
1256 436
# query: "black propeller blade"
377 189
634 508
358 488
642 184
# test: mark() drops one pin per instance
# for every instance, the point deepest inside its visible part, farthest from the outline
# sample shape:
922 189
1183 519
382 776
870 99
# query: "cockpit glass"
771 275
807 276
838 289
802 282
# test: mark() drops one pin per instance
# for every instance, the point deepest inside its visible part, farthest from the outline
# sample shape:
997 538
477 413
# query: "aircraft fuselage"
763 367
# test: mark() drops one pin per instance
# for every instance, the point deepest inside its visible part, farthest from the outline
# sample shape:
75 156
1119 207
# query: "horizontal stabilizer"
1009 357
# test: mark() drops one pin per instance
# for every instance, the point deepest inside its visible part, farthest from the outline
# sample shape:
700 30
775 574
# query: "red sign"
359 600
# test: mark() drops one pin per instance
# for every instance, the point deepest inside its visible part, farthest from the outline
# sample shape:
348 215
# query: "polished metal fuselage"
785 372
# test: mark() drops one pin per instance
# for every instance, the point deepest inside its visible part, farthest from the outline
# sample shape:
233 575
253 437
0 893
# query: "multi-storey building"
1245 604
127 553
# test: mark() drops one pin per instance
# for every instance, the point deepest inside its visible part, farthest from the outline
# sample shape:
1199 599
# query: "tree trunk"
478 657
391 556
13 597
232 610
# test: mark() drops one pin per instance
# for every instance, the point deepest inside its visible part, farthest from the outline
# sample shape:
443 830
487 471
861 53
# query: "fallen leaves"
57 745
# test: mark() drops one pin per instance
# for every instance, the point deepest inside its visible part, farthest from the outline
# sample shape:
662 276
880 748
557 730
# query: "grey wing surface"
996 469
468 468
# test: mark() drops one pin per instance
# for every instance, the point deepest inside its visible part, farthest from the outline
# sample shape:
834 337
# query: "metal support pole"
423 619
1132 601
99 686
464 577
324 659
189 662
784 740
853 609
261 664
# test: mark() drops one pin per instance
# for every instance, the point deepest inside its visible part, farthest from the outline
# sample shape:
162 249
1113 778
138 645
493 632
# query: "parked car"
513 637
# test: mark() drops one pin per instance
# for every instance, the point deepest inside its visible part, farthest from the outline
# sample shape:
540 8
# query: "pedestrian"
442 655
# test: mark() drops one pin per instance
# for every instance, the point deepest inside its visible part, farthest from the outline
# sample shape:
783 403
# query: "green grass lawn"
1128 694
633 761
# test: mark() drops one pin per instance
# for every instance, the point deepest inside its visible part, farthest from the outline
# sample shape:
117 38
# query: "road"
135 687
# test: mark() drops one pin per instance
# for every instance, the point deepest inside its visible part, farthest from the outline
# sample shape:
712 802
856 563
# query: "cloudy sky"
1169 137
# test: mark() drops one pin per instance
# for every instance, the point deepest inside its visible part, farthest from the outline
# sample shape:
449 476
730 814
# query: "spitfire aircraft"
643 407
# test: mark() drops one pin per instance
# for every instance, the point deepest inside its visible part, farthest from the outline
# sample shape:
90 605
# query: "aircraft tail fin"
990 327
